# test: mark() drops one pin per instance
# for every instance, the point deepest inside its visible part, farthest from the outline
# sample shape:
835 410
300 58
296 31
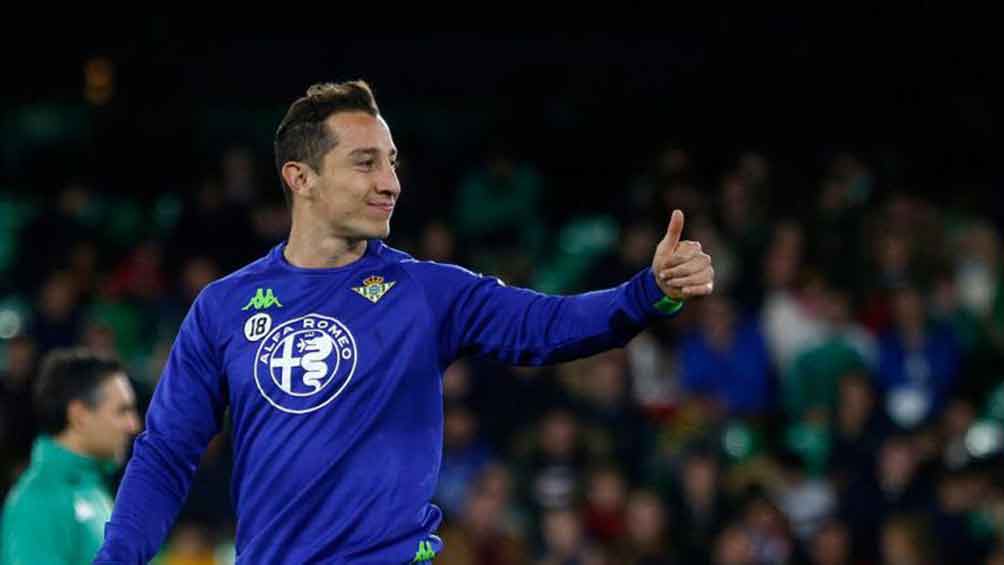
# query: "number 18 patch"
257 326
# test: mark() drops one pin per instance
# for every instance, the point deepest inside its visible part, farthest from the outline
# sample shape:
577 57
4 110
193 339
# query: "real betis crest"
373 288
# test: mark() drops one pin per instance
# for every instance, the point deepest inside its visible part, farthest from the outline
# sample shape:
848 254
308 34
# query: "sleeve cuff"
657 303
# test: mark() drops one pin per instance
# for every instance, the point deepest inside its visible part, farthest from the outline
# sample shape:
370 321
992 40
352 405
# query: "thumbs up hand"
681 269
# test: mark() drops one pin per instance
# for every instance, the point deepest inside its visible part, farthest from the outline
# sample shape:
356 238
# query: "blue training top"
333 377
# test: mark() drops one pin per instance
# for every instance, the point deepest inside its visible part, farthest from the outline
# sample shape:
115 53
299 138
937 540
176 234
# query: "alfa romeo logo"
305 363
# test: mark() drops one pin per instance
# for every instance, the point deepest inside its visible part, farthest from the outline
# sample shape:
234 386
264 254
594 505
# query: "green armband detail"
667 305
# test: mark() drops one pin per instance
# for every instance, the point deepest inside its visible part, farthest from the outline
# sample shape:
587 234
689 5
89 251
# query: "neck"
311 246
72 443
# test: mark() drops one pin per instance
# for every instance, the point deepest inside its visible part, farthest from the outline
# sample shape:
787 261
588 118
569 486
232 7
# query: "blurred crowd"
838 400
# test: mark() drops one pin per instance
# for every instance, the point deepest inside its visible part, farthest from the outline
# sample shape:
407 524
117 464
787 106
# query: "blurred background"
838 400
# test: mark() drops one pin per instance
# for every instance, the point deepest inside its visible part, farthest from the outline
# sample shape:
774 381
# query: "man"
56 512
329 352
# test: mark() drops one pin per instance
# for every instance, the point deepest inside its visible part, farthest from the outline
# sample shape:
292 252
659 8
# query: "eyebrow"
370 151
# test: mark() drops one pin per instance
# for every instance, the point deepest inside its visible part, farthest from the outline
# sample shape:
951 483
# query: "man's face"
110 425
357 184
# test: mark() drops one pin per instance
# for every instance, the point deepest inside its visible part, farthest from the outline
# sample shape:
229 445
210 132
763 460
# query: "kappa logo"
305 363
263 298
425 553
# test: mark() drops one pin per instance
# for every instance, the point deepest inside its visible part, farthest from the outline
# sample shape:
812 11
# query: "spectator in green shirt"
56 512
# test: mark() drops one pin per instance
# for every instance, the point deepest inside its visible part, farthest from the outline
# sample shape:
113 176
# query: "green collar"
52 459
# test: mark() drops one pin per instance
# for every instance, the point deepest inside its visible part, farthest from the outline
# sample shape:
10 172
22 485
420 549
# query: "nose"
388 183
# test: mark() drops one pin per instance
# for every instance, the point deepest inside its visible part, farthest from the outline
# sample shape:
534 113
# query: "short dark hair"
67 375
303 136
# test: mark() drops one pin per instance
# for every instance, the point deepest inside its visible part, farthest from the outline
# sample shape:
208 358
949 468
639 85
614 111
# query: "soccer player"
329 352
56 513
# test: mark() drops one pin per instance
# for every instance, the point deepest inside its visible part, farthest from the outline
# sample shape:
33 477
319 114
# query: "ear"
77 414
299 177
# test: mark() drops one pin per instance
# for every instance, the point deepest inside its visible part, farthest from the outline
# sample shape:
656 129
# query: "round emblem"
257 326
305 363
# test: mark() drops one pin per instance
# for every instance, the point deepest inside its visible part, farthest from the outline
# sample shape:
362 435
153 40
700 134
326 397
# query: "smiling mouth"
384 207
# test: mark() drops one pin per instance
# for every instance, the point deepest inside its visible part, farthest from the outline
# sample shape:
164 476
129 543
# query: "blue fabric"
336 398
738 376
931 368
